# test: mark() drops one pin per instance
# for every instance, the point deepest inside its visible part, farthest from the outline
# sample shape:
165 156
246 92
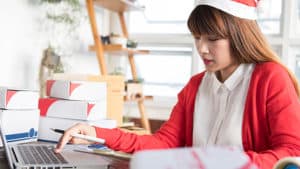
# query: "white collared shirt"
219 108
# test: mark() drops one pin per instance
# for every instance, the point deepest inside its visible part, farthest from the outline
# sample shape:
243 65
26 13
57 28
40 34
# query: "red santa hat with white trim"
246 9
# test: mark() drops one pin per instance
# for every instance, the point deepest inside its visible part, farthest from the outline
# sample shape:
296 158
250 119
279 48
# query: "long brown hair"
247 43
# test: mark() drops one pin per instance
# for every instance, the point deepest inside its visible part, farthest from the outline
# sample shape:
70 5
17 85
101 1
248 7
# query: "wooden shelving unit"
118 6
119 49
139 98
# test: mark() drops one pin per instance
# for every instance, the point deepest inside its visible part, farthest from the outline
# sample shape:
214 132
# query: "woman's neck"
224 74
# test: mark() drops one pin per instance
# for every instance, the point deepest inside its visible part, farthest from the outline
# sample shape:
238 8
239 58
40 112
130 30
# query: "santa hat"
246 9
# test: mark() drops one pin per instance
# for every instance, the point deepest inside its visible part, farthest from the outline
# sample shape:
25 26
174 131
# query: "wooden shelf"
110 47
119 49
138 99
118 5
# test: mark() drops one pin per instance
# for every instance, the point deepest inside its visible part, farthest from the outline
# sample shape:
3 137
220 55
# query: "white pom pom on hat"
246 9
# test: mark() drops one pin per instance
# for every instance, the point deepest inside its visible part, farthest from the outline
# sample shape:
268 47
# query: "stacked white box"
72 109
19 114
46 123
77 90
72 102
20 125
15 99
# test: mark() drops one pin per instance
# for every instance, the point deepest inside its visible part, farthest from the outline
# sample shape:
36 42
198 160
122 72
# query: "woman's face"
216 56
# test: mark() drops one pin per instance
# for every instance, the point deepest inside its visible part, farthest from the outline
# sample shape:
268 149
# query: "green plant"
138 80
59 21
63 16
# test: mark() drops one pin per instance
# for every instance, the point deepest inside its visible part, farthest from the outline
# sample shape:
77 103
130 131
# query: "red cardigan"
270 124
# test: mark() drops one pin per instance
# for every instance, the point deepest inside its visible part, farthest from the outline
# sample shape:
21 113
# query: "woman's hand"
79 128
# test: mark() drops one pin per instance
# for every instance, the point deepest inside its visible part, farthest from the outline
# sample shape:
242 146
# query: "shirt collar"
216 84
233 80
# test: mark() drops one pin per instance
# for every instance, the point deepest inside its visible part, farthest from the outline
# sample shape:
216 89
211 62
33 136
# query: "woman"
245 98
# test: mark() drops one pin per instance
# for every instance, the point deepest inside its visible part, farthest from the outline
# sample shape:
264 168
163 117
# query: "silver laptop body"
22 155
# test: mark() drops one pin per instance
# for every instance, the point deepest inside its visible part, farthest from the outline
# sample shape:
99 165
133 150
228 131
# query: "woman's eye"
213 38
196 37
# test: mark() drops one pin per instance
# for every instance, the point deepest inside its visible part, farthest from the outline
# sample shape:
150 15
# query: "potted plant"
59 22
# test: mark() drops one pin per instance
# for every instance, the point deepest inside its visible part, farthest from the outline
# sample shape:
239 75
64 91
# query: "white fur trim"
234 8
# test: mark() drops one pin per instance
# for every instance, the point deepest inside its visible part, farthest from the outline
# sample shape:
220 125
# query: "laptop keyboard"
40 154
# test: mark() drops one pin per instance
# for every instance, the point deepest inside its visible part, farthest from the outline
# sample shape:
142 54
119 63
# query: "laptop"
29 155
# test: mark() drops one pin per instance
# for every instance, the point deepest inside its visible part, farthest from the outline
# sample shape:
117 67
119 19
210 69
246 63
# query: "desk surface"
115 163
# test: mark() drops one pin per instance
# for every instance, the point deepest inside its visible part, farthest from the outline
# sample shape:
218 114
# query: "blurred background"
28 27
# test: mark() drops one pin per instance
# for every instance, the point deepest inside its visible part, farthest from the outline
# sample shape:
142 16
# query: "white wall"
22 44
19 47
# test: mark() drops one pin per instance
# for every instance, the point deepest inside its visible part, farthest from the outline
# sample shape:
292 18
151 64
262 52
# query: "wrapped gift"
192 158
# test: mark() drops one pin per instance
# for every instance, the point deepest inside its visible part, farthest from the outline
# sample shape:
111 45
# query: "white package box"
46 123
18 99
73 109
77 90
186 158
20 125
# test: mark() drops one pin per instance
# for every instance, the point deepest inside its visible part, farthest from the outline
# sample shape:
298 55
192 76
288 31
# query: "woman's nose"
202 46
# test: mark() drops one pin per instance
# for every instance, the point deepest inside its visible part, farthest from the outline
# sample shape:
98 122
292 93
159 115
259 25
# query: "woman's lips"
206 61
